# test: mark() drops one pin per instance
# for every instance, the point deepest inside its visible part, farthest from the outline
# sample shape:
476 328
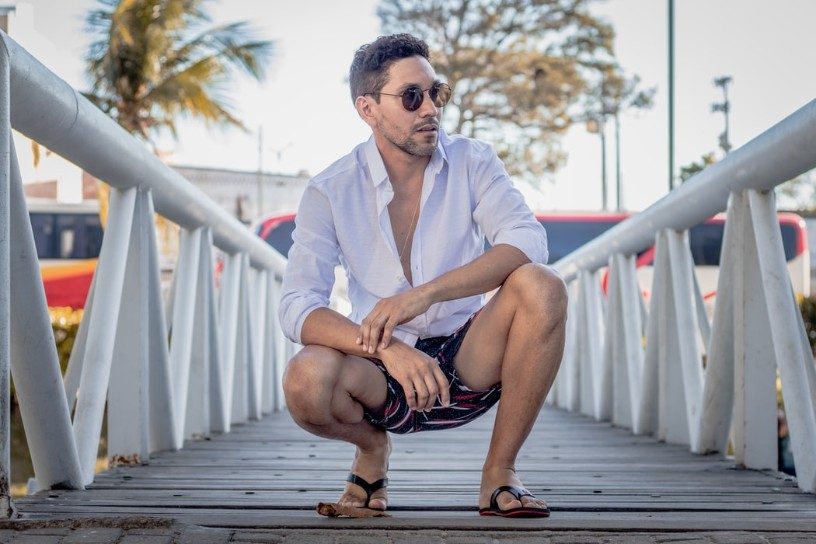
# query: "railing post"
162 408
755 429
240 382
6 509
229 307
199 401
128 394
96 366
788 341
279 348
181 342
624 330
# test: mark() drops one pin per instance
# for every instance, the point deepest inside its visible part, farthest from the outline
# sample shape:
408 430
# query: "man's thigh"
478 361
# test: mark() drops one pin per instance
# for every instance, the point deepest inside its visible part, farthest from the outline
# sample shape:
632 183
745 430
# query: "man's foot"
371 466
493 477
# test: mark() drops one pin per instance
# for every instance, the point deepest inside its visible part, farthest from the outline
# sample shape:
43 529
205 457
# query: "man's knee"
309 380
539 289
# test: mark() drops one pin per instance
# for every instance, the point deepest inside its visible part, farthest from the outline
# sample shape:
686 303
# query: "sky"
308 120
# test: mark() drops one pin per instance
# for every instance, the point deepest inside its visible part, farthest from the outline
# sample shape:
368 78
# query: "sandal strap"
517 492
367 486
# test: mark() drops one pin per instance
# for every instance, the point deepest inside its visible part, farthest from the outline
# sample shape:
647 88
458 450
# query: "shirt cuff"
532 243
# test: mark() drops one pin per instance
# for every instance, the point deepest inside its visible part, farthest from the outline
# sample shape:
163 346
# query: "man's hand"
418 374
390 312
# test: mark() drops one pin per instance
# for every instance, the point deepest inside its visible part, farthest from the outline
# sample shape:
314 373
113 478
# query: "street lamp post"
724 107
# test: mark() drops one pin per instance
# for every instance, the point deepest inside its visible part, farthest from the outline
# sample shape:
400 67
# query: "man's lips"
428 128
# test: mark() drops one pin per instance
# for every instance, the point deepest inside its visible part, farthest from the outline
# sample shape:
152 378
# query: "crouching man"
406 214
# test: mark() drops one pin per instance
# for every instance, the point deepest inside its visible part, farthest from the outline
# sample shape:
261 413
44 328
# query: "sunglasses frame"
435 88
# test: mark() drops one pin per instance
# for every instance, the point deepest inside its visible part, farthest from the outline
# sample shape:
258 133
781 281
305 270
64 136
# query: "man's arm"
510 227
415 371
481 275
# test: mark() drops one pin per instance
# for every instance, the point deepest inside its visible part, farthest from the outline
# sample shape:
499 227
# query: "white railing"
214 359
692 376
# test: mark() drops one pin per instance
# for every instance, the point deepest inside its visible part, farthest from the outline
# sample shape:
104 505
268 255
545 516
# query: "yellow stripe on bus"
75 268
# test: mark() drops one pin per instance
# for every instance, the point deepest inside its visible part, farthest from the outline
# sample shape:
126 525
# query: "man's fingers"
386 335
422 393
443 384
364 327
374 333
433 391
410 395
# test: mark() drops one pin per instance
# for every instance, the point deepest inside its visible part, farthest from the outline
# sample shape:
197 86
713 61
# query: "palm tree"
152 61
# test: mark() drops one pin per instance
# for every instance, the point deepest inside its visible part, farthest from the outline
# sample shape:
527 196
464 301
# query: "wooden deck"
594 477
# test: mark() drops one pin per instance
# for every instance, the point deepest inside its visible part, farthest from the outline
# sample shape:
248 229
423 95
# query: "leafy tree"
799 193
613 94
152 61
693 168
518 68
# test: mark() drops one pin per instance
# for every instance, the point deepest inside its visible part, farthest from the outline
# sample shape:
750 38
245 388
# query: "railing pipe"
5 288
781 153
47 109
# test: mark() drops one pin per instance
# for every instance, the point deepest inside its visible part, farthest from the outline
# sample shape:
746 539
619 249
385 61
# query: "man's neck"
402 167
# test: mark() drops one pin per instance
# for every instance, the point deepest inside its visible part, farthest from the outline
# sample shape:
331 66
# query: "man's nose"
427 108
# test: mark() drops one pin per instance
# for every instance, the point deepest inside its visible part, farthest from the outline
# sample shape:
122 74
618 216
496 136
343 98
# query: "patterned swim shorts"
465 404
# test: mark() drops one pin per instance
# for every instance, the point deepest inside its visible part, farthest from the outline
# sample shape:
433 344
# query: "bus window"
42 226
706 239
564 237
67 234
93 237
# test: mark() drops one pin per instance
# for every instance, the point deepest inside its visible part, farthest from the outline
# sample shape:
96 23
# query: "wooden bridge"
595 477
207 361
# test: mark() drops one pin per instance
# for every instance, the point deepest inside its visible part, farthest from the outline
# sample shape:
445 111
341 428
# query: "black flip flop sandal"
369 488
521 512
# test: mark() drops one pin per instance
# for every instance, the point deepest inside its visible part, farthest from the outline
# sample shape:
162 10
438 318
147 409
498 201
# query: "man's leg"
518 339
325 392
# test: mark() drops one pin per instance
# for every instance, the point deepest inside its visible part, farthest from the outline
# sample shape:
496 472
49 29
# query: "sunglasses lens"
440 94
412 98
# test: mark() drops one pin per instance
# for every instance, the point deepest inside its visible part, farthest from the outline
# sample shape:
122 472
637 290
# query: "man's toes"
351 501
507 501
533 502
378 501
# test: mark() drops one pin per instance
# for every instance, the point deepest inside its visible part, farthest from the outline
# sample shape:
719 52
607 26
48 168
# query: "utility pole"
671 95
724 107
259 206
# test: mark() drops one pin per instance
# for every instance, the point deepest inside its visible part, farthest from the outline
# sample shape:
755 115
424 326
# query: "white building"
248 195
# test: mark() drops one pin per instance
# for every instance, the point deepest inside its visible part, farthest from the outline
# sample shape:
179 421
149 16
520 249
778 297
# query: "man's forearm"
481 275
329 328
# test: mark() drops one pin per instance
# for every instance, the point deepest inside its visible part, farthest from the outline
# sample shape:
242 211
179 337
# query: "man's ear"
365 109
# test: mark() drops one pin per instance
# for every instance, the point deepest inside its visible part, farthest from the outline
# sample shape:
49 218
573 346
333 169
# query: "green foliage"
808 307
518 68
153 60
693 168
798 193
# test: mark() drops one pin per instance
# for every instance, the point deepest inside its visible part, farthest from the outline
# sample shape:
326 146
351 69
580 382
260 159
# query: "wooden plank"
593 476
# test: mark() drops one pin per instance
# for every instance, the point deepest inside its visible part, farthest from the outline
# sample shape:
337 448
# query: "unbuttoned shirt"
343 218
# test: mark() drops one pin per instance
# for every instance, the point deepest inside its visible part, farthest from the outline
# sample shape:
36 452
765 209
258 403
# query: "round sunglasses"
413 96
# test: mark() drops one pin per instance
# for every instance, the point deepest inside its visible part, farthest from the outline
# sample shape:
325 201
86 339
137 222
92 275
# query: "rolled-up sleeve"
501 212
309 275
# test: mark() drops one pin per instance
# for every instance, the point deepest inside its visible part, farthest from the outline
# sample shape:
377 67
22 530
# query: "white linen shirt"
343 218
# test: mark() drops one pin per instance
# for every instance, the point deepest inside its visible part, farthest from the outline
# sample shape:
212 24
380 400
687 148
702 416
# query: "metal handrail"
224 364
695 382
781 153
48 110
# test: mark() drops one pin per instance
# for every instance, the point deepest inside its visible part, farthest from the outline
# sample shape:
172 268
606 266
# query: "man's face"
414 132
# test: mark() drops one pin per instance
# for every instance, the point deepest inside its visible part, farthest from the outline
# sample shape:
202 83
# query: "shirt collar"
376 167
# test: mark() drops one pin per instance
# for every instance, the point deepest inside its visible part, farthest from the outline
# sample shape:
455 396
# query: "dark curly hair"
369 70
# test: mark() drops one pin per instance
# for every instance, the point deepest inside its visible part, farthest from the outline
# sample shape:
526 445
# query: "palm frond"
151 61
